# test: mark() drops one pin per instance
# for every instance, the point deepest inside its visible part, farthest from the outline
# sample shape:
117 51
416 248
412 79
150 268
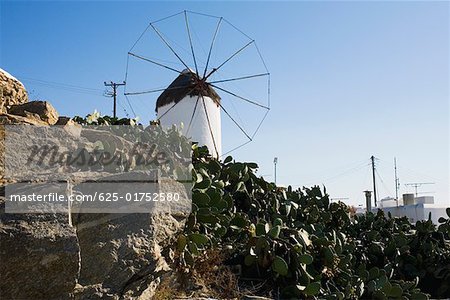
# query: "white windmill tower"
192 97
196 105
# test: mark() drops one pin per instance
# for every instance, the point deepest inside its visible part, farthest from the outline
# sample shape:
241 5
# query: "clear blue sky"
349 80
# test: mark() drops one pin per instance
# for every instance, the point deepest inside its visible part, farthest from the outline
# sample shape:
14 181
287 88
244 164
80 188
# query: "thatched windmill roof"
187 83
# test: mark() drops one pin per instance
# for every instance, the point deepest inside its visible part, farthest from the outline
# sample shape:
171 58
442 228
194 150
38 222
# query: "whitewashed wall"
416 212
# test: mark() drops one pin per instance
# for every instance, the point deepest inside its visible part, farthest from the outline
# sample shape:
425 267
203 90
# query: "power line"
383 183
129 104
343 173
124 109
410 172
59 84
64 86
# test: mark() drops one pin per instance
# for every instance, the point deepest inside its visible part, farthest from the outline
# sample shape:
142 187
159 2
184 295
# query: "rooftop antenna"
417 185
339 198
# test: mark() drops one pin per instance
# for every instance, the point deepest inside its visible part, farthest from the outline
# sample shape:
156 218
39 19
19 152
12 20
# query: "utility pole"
372 158
397 182
114 85
275 161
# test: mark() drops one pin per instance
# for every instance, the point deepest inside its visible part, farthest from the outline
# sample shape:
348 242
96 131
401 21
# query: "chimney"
368 195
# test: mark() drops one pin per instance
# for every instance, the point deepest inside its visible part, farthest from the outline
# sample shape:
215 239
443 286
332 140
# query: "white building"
414 208
190 101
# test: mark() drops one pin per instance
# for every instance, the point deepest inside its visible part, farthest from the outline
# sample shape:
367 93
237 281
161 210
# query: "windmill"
209 75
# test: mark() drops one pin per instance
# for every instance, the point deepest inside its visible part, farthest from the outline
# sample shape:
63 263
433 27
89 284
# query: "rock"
7 119
93 292
70 126
64 121
126 253
43 109
12 91
2 155
93 135
14 101
18 161
104 256
39 256
29 118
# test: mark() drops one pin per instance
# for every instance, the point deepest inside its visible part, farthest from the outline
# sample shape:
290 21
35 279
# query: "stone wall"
64 256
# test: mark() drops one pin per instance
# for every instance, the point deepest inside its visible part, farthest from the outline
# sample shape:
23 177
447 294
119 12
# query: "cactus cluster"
305 246
297 242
